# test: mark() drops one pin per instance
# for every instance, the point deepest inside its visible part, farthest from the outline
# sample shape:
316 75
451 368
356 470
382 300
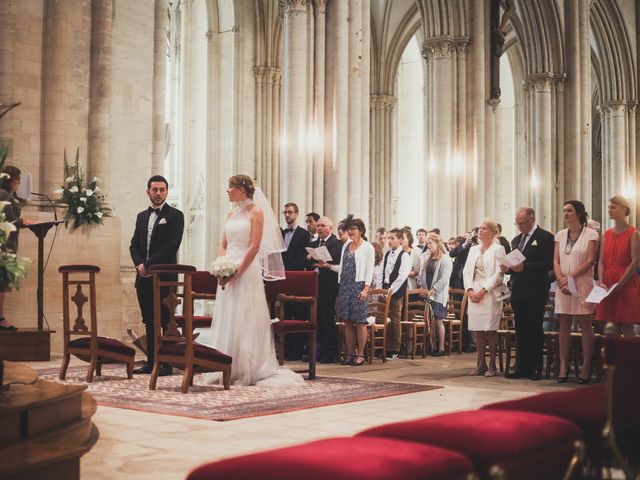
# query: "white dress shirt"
403 273
153 216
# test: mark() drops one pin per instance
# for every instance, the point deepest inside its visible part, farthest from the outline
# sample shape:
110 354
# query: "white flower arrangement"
224 268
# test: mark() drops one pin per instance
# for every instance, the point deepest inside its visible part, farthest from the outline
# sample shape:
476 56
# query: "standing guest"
530 291
355 274
156 240
311 219
8 186
395 273
453 242
414 255
327 291
377 268
503 241
459 255
421 233
382 239
482 275
435 277
343 236
295 239
573 257
619 260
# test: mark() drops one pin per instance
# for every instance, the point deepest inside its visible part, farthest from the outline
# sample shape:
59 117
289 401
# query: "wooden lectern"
31 344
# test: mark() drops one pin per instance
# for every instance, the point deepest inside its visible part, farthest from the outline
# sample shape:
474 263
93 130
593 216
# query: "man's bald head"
324 226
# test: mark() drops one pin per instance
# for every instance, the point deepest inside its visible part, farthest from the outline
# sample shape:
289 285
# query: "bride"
241 322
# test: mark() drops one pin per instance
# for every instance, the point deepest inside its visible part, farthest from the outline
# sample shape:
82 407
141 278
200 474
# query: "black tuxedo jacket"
295 258
328 279
533 282
166 237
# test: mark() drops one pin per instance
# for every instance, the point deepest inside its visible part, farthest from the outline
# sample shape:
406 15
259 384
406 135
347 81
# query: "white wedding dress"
241 322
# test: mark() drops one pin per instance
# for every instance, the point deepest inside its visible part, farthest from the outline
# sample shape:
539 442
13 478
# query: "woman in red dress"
619 260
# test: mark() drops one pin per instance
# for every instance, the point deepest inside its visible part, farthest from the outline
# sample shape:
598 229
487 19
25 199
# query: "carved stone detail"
383 102
321 6
267 75
436 48
542 82
294 7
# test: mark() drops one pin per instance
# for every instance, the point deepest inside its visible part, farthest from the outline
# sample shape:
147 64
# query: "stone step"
79 432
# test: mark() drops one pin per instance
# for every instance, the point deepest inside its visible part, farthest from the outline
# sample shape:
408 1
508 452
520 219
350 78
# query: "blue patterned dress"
350 307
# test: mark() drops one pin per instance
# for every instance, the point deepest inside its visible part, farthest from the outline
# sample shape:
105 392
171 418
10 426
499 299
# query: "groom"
155 241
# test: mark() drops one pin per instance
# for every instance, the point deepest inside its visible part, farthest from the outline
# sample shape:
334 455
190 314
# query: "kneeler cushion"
526 445
586 407
342 459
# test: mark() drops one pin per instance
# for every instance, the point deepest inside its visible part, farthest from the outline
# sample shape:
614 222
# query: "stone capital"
293 7
614 108
321 6
435 48
542 82
383 102
267 74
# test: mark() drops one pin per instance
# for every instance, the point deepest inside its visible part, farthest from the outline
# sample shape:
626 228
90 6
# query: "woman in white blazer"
481 276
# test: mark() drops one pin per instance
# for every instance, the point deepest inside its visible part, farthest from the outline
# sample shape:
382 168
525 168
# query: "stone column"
355 201
159 73
99 157
7 66
319 111
295 173
446 158
381 199
541 168
65 88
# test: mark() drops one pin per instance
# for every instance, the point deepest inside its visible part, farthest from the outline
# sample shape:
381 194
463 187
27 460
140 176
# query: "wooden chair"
456 306
88 346
378 301
417 321
204 286
298 288
169 345
507 339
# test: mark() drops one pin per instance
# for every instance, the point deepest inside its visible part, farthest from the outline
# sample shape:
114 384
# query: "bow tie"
154 210
290 229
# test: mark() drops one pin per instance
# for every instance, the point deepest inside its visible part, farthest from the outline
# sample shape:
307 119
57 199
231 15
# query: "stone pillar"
355 202
99 157
318 106
65 88
541 168
575 163
7 66
381 198
159 146
295 173
447 157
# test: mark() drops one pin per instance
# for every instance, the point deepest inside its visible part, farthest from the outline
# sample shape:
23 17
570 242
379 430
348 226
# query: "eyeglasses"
288 212
524 222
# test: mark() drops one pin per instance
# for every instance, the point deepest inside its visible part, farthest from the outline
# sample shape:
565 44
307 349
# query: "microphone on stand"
55 214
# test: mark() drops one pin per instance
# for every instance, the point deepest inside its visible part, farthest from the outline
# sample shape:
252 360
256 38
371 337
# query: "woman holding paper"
573 257
481 275
619 260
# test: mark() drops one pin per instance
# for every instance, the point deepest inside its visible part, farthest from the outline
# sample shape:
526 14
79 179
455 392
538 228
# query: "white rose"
96 179
7 227
3 204
88 192
58 191
4 175
80 209
69 179
99 214
83 199
73 189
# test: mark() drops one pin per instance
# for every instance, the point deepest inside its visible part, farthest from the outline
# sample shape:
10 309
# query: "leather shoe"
165 370
143 370
517 374
536 375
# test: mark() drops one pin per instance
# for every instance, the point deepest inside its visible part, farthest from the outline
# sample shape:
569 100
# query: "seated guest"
395 273
619 260
327 291
377 269
355 274
311 219
573 258
435 276
481 275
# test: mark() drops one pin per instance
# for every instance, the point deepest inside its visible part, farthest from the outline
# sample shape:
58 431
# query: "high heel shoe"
356 363
584 381
348 360
563 379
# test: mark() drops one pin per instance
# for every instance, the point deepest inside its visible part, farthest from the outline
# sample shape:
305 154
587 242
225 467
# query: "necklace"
571 242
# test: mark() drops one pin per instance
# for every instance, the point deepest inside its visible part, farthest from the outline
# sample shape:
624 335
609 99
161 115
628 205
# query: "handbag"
501 293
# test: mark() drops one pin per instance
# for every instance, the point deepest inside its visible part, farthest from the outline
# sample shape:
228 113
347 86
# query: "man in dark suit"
530 291
459 255
327 290
156 240
296 239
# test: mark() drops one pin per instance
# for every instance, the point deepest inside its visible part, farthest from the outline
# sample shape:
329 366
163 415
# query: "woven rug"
212 402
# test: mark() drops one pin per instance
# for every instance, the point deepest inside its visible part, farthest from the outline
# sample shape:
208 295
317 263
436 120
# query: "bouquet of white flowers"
224 268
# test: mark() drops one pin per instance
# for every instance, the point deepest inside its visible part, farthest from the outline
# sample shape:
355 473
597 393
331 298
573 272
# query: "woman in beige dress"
481 275
573 260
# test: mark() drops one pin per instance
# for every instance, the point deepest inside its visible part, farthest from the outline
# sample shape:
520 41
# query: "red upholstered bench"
523 445
586 407
346 458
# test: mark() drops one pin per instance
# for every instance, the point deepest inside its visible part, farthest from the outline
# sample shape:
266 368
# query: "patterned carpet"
113 389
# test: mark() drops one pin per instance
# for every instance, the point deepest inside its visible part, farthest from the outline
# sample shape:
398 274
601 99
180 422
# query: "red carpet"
113 389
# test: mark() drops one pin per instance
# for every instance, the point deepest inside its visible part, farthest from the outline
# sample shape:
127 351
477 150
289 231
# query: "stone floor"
139 445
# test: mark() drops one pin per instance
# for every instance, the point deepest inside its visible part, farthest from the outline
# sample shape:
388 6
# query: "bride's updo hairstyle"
244 182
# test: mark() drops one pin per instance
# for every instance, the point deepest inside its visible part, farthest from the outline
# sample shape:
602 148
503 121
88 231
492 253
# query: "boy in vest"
396 269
